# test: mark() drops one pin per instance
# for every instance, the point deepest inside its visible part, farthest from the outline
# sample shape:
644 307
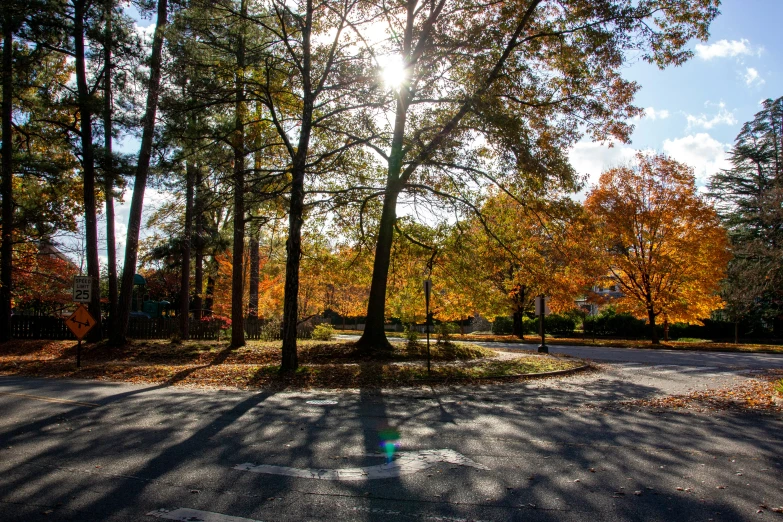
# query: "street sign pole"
80 322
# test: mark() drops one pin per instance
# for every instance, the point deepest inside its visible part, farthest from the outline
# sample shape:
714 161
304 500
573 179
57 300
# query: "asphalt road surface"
540 450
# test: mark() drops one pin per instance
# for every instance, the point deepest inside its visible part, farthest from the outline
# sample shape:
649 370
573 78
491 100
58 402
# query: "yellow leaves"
660 239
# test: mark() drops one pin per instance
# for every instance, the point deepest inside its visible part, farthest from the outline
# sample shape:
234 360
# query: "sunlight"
392 71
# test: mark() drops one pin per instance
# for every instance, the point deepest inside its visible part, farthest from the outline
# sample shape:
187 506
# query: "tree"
525 88
120 327
314 91
85 103
663 244
513 253
39 192
749 199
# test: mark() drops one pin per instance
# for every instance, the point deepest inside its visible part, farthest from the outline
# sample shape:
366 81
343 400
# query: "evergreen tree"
750 201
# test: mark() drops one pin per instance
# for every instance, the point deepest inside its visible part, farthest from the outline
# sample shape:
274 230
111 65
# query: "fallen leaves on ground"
323 364
757 394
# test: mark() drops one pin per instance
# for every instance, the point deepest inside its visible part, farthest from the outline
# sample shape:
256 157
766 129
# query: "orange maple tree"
515 252
42 282
662 243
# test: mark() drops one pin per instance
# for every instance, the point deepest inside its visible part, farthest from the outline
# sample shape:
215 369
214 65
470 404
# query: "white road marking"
407 462
667 368
195 515
322 402
51 399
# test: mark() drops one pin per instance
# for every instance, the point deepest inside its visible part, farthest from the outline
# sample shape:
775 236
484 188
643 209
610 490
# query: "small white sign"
82 289
539 300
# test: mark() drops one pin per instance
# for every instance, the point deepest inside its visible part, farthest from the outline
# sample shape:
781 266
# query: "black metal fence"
43 327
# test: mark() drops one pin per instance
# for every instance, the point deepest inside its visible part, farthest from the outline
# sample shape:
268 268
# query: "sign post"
80 322
427 290
542 309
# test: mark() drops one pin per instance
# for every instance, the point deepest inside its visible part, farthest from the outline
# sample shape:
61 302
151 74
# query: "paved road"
541 450
726 360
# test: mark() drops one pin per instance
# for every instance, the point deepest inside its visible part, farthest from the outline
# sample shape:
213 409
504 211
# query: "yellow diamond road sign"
80 322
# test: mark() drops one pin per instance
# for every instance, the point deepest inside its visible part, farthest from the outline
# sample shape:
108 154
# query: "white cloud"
591 159
153 200
701 151
752 77
724 49
660 114
723 117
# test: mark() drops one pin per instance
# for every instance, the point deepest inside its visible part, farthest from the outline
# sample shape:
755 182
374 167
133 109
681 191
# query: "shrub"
559 324
529 325
502 325
271 330
445 331
610 323
410 334
323 332
219 321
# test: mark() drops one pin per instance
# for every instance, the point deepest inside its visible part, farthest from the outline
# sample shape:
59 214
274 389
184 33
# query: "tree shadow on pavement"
550 454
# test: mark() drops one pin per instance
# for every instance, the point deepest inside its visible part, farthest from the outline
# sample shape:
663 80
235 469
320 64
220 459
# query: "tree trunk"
108 175
184 289
252 305
88 168
296 210
653 331
666 329
198 276
120 327
517 326
736 332
6 189
238 272
291 290
374 336
210 296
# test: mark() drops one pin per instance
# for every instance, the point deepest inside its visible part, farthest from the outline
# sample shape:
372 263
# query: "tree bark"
6 190
653 331
184 289
736 332
120 328
374 337
198 276
290 360
210 295
517 327
237 274
252 305
666 329
291 289
108 179
88 167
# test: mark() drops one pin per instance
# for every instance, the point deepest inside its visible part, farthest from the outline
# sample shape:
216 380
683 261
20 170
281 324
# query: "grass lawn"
331 364
684 344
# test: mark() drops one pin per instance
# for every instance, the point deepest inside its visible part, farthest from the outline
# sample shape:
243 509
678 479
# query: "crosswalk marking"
195 515
666 368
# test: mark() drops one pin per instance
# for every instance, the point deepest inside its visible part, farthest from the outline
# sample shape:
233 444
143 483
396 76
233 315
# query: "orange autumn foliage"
660 241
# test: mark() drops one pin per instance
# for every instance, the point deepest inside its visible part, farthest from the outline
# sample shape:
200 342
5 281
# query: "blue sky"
695 111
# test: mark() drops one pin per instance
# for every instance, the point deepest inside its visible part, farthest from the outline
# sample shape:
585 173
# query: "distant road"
649 356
